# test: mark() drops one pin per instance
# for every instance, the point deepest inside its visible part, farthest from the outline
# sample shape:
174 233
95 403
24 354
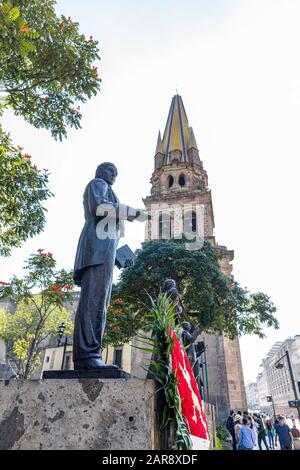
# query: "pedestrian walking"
261 432
284 434
253 427
238 422
246 437
296 437
230 428
271 432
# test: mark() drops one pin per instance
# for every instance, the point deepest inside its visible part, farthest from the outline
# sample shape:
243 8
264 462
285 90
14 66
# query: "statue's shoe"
92 364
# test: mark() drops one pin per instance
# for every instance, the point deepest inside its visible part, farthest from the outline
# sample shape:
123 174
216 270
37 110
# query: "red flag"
191 401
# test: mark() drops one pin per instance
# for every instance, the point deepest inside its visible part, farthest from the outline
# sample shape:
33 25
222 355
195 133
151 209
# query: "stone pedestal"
104 373
87 413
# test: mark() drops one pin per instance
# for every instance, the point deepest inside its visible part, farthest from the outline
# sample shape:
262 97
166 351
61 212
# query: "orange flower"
27 156
25 29
62 25
118 311
55 287
95 71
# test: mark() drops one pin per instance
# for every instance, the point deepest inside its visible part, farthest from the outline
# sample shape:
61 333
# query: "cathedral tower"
182 202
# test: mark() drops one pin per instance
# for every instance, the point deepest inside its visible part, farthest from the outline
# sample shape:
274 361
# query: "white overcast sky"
236 64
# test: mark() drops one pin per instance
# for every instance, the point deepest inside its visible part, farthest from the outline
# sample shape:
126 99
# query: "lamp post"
280 365
60 333
270 399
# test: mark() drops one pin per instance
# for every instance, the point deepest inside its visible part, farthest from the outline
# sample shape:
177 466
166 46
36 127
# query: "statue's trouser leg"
91 311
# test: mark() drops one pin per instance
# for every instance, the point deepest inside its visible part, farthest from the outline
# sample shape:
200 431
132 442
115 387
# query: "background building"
279 379
252 396
263 392
277 382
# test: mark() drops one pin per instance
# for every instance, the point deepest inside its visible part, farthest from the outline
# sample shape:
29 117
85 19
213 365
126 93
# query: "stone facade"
181 201
252 396
83 414
71 414
277 382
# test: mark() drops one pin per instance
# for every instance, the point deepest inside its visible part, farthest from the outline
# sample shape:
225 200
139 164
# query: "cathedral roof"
178 135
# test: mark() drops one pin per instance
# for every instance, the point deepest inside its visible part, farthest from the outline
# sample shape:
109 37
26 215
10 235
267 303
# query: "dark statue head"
186 326
168 284
107 171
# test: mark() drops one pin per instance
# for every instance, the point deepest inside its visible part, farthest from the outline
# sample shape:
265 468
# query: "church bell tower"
182 201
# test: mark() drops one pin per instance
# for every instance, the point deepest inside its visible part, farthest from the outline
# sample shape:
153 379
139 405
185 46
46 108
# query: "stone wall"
78 414
87 414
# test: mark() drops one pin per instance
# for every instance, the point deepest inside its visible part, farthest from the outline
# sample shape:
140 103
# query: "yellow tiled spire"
159 146
192 141
177 131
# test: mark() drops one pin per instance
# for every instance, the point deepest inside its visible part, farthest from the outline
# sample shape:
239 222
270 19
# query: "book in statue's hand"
124 257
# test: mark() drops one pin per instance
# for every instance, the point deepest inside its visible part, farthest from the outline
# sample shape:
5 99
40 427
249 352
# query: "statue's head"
168 284
107 171
186 326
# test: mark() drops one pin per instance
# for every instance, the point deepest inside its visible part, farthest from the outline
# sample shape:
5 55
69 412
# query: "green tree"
39 298
122 322
46 70
46 65
23 189
217 303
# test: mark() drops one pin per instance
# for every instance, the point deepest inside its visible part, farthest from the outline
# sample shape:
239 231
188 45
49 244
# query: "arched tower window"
170 181
194 222
181 180
190 222
164 225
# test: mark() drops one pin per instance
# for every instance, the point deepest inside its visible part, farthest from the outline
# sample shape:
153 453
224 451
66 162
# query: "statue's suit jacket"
92 250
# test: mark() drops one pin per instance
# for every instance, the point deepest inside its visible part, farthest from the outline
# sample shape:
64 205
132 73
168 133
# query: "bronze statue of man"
94 263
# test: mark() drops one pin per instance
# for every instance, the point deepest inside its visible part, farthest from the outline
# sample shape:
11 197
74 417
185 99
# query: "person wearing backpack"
261 431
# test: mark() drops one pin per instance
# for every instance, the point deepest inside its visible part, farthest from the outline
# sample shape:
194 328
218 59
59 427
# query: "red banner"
191 401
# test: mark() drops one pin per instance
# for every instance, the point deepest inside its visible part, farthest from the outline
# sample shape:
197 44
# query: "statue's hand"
142 215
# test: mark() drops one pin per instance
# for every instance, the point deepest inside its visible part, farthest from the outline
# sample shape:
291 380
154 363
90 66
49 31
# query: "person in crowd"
296 437
293 420
271 432
261 432
238 422
295 431
246 438
253 427
284 434
230 428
